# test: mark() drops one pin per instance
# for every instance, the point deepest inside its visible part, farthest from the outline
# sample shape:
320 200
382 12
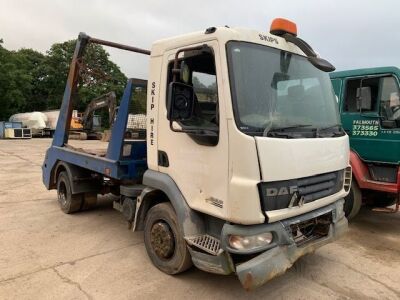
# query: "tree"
35 97
15 82
32 81
98 76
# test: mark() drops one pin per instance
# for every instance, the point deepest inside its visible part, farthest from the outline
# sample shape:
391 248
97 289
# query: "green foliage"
35 97
16 80
99 75
31 81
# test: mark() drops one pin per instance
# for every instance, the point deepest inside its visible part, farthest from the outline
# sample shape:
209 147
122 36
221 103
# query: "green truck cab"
369 102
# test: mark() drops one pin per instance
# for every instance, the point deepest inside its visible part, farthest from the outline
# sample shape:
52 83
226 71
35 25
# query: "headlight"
240 242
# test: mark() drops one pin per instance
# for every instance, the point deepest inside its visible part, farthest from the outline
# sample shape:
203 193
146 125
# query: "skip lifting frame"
71 88
113 164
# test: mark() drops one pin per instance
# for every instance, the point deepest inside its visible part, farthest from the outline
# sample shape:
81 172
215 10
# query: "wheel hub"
62 197
162 240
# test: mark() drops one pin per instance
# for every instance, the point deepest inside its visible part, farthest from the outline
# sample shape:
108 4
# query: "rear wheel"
69 203
164 240
353 201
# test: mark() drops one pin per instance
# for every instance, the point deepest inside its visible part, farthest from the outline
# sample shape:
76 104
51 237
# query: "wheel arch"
162 188
58 168
359 169
81 181
147 199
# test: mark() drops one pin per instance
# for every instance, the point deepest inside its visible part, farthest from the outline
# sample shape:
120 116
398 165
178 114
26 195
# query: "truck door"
372 127
198 166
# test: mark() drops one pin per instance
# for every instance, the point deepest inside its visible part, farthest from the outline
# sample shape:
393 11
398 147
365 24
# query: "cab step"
206 243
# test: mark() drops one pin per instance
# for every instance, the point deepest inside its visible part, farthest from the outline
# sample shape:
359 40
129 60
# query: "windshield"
276 90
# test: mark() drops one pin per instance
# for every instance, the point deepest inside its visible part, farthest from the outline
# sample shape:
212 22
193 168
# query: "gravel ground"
45 254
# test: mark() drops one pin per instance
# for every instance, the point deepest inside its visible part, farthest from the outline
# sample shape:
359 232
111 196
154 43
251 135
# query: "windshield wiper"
283 133
289 127
318 130
329 127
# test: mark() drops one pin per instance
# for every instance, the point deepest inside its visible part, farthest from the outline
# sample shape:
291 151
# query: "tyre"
164 240
353 201
69 203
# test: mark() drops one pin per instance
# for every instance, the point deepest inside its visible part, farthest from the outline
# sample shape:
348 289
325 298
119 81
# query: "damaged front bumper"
278 256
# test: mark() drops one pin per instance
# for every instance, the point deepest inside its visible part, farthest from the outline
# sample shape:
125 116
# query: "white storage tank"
52 118
33 120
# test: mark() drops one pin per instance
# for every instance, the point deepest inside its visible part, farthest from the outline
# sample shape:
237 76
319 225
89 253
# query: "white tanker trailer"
37 121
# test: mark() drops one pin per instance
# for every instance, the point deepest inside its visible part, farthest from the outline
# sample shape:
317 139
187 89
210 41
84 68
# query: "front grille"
282 194
316 187
311 230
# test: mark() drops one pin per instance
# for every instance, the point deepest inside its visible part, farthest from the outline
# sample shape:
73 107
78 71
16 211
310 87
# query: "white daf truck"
246 161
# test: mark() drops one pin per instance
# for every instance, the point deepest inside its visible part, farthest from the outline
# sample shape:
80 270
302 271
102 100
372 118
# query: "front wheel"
164 240
353 201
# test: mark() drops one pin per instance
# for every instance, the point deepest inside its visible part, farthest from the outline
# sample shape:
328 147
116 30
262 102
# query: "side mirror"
180 101
321 64
313 58
364 98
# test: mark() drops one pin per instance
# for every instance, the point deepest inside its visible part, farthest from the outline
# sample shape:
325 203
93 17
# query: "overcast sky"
349 33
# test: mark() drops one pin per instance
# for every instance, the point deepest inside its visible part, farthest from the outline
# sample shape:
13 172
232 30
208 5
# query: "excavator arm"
107 100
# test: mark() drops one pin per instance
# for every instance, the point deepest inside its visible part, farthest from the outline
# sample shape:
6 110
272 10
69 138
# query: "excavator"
83 127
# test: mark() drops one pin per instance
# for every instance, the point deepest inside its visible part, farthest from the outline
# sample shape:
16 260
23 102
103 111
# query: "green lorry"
370 113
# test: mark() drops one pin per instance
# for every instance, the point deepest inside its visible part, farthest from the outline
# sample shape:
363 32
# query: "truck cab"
247 164
370 112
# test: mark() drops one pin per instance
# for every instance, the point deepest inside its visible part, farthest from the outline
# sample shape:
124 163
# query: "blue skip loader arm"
123 159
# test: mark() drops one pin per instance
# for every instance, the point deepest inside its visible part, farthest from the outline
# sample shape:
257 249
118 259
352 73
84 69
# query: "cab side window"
201 75
367 86
205 89
390 102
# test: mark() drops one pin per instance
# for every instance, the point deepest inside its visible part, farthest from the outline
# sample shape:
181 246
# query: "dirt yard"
45 254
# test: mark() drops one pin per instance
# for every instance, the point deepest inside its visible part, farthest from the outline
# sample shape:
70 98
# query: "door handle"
163 159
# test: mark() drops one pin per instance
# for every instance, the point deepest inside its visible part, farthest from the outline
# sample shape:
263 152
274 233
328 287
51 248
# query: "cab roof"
364 72
223 35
